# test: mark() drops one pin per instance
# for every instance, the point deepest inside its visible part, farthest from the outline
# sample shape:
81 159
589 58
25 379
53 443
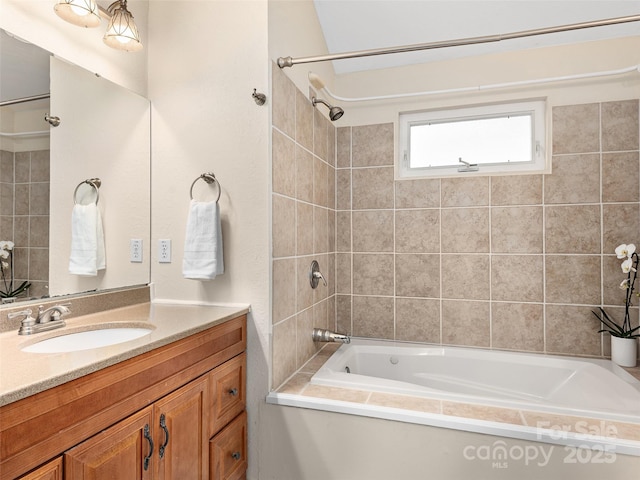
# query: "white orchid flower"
624 250
5 265
627 266
6 245
4 253
624 284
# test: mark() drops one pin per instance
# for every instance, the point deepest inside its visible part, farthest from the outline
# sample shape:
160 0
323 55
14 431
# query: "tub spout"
323 335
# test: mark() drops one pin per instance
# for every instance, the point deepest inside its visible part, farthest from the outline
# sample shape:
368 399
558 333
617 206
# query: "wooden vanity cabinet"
160 410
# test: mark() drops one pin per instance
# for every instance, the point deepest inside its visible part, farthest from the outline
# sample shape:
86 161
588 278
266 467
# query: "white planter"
624 351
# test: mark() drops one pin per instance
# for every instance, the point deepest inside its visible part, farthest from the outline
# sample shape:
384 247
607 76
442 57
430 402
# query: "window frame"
536 107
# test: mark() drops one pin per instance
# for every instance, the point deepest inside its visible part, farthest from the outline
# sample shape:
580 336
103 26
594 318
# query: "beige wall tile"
620 126
373 274
320 134
334 393
573 229
304 294
320 182
343 314
516 230
373 145
516 190
482 412
284 356
320 230
21 231
7 192
284 166
405 402
331 227
304 228
576 128
574 179
343 139
572 279
304 121
331 188
6 166
320 316
21 199
373 231
343 189
331 146
304 175
373 317
465 230
417 231
283 226
620 225
465 192
320 293
284 289
517 278
343 231
572 329
421 193
417 275
620 177
40 166
372 188
612 276
517 326
284 103
22 167
296 384
465 323
39 231
465 277
418 320
305 346
343 273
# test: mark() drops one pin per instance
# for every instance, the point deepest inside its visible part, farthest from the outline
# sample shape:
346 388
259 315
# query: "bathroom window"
488 139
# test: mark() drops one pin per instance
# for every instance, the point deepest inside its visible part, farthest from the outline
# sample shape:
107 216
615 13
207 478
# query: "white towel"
87 241
203 255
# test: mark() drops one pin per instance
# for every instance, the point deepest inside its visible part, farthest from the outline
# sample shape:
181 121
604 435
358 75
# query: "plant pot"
624 351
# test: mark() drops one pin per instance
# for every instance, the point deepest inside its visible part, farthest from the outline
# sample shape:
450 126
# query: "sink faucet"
48 319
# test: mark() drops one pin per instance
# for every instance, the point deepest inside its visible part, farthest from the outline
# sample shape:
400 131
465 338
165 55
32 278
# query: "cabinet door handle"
236 455
163 425
148 437
233 392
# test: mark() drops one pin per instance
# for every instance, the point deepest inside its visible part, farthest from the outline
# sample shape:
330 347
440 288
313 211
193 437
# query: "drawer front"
228 392
228 451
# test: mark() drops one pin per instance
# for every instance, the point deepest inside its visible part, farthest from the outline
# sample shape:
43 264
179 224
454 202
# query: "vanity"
167 405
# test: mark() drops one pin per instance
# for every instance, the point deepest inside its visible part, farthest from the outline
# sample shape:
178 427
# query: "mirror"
104 133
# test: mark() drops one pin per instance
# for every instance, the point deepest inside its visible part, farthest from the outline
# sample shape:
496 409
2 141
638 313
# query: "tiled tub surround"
24 215
615 436
506 262
303 215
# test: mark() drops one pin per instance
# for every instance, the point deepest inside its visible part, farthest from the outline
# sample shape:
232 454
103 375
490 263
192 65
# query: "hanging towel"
203 255
87 241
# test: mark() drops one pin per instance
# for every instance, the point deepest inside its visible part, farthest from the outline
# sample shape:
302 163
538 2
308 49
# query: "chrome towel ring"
94 182
209 178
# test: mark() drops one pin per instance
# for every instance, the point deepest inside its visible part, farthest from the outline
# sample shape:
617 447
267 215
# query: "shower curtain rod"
24 99
289 61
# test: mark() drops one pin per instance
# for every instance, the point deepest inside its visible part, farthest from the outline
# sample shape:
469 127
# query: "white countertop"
23 374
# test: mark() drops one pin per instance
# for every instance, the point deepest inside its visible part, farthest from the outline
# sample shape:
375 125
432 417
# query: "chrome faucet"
323 335
48 319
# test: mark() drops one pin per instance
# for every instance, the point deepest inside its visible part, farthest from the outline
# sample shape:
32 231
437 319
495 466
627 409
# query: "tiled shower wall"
24 215
303 225
507 262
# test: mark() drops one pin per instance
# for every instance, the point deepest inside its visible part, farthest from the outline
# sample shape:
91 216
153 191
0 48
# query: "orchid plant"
630 267
6 269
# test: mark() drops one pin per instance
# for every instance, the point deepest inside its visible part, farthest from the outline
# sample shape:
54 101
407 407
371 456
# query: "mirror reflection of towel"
87 241
203 254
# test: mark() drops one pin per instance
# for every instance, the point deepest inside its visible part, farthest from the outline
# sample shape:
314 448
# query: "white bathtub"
564 385
575 402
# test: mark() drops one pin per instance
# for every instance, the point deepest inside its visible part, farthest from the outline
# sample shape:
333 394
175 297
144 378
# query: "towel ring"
94 182
208 178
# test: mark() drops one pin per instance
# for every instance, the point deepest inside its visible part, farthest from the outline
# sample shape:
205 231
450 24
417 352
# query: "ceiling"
351 25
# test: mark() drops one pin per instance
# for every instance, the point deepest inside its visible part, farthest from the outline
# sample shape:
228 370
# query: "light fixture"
122 32
83 13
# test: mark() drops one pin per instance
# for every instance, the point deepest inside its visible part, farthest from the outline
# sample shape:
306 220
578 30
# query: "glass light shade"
122 32
83 13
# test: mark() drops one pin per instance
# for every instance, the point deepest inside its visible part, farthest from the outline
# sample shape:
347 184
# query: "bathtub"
563 400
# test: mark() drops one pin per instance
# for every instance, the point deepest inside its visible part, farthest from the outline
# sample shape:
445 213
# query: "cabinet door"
228 451
180 423
123 451
228 392
49 471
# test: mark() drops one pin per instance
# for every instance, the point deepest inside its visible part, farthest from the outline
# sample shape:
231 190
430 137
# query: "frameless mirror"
104 132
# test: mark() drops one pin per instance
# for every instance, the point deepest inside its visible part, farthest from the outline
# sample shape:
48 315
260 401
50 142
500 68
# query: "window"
491 139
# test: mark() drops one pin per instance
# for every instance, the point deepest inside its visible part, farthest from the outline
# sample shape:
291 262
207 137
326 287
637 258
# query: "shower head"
334 112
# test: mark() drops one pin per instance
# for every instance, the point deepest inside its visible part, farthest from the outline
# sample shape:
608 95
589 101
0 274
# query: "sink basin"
87 340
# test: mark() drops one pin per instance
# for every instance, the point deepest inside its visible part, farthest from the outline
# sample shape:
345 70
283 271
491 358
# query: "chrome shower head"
334 112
